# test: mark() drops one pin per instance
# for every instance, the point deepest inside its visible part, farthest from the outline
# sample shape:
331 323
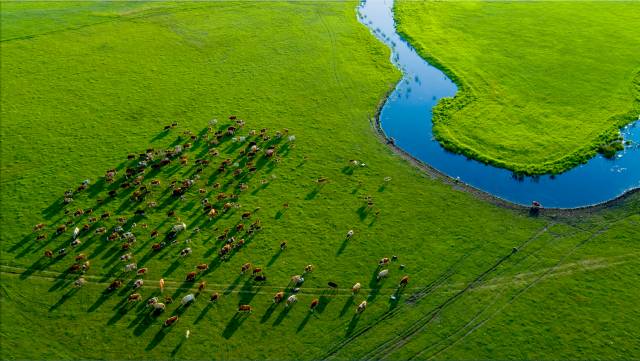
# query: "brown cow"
61 229
80 257
244 308
191 276
202 267
214 297
41 237
48 253
384 261
170 321
245 267
141 271
38 227
201 286
314 304
257 270
115 285
404 281
135 297
278 297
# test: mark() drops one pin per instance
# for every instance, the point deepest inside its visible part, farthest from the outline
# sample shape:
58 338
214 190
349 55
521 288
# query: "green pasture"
543 85
85 84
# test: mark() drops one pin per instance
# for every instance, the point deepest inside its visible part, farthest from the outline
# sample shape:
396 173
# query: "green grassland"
85 84
543 85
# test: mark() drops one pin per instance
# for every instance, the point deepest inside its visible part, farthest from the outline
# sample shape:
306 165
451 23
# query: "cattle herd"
215 167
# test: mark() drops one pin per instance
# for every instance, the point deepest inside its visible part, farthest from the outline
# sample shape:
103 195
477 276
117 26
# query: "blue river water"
406 117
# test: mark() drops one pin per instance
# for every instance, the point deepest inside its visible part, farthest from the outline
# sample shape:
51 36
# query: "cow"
245 267
74 267
41 237
185 252
138 283
158 307
214 297
404 281
350 233
308 268
114 285
79 282
130 267
239 227
212 213
314 304
152 301
134 297
80 257
283 245
75 243
244 308
297 279
278 297
356 288
48 253
141 271
361 307
201 286
384 261
86 266
38 227
126 257
186 300
101 230
382 274
191 276
291 300
202 267
61 229
257 270
170 321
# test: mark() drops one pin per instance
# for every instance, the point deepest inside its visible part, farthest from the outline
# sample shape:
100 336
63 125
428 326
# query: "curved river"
406 117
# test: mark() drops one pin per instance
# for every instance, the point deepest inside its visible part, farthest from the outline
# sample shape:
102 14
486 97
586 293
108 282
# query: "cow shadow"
204 311
282 316
274 258
374 285
304 322
63 299
343 246
347 305
352 324
268 313
232 326
162 333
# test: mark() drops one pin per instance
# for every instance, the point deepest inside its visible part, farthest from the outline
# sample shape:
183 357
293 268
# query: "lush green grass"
543 85
77 98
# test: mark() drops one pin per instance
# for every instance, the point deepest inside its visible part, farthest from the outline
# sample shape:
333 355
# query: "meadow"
86 84
543 86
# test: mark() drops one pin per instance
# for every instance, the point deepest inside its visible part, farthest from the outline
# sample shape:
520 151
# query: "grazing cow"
179 227
283 245
62 251
161 284
244 308
126 257
138 283
79 282
85 227
201 286
171 213
105 215
361 307
257 270
202 267
382 274
224 250
185 252
356 288
291 300
154 233
113 236
214 297
41 237
78 212
260 278
130 267
186 300
350 233
245 267
297 279
158 307
61 229
170 321
135 297
141 271
191 276
125 246
114 285
152 301
92 219
80 257
278 297
240 243
38 227
101 230
75 242
76 232
48 253
239 227
74 267
384 261
86 266
314 304
212 213
308 268
404 281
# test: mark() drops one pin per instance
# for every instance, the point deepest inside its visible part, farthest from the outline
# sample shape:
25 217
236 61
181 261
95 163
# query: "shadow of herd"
191 185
